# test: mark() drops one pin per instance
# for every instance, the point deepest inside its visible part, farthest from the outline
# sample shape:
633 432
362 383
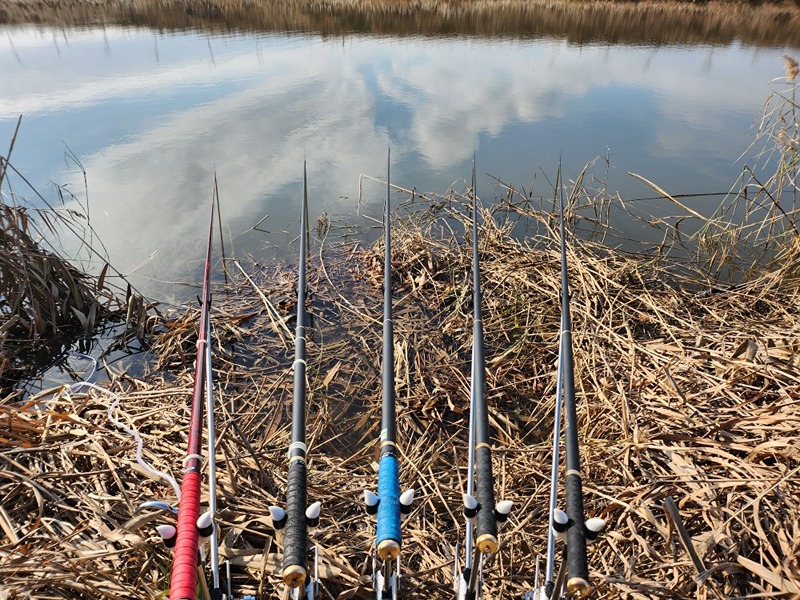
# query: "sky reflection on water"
152 116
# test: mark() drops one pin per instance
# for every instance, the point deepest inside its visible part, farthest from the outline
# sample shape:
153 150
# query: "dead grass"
682 395
48 300
585 21
688 393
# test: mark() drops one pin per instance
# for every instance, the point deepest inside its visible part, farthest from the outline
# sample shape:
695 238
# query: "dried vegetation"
46 302
685 396
579 21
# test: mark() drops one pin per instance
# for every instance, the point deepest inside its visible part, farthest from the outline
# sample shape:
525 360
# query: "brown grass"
579 21
682 395
46 301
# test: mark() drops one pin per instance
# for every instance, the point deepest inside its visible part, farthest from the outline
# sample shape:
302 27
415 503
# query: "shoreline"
619 22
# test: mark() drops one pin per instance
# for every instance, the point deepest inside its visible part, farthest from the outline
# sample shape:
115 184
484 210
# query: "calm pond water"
151 115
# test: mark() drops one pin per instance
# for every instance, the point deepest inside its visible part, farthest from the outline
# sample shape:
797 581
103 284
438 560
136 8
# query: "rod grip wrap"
577 566
183 582
295 535
484 484
389 495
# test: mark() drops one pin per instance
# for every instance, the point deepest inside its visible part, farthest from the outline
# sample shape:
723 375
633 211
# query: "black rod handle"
577 565
486 530
296 536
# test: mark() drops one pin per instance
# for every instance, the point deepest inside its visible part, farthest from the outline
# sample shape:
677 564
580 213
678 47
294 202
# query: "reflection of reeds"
758 220
584 21
731 237
43 298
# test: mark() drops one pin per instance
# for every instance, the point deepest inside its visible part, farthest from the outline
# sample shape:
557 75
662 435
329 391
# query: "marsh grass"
684 397
46 301
584 21
759 218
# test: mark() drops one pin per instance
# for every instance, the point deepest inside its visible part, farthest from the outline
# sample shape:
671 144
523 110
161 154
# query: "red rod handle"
183 585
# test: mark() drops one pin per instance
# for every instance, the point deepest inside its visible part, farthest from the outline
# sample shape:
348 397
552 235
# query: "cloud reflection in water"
252 108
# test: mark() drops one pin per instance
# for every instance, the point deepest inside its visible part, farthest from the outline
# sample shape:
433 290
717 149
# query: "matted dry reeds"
47 301
688 408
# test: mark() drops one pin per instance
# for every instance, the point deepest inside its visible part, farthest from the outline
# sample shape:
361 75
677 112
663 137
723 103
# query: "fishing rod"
555 524
206 525
388 504
296 518
480 510
568 526
577 565
555 521
192 526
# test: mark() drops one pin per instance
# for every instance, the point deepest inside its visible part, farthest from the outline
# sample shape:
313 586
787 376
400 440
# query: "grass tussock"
688 413
44 297
46 301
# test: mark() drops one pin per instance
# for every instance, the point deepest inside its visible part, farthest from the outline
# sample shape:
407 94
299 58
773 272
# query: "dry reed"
584 21
47 301
684 397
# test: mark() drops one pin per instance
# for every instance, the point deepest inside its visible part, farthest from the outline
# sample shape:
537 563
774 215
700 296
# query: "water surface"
152 115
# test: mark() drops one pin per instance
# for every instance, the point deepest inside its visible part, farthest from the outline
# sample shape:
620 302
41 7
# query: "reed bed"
578 21
46 301
51 298
688 391
688 411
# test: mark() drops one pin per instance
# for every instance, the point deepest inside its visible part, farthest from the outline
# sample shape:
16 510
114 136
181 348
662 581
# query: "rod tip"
578 587
294 576
388 550
487 543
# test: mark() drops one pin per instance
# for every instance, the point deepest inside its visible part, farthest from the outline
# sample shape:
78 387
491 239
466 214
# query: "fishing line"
75 387
139 442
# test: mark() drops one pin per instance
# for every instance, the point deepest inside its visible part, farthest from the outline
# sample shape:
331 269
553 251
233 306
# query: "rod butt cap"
487 543
578 587
388 550
294 576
